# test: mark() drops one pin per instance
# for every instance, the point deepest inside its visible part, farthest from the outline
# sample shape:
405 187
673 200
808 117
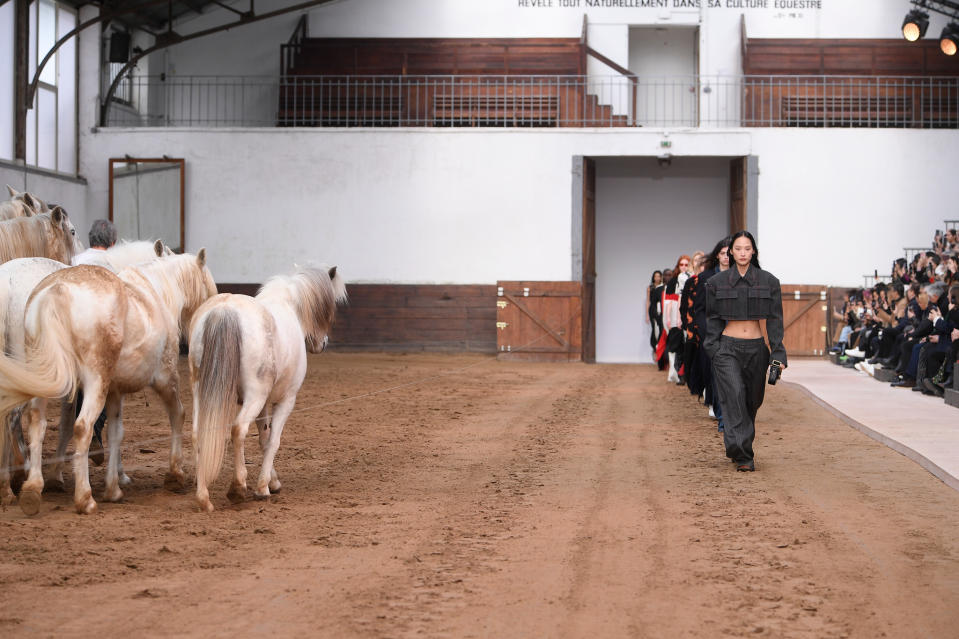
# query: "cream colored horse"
21 205
45 235
252 351
110 335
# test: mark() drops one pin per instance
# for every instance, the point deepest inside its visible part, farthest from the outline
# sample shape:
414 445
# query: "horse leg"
36 418
94 396
18 450
68 414
268 477
237 492
175 478
6 462
114 412
263 423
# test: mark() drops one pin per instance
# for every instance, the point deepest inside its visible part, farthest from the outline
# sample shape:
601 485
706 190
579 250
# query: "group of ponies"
115 328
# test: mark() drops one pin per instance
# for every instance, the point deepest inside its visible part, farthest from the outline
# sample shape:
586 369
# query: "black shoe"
903 382
745 467
933 388
918 389
873 360
889 362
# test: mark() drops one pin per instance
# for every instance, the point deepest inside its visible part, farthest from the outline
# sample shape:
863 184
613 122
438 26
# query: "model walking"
736 300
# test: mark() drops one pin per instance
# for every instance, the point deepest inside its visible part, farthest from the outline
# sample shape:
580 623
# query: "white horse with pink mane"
18 278
251 351
108 334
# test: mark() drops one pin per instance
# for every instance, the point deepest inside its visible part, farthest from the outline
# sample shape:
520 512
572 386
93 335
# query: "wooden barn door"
589 260
805 318
539 321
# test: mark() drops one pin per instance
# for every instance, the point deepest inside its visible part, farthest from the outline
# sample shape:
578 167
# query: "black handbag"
775 370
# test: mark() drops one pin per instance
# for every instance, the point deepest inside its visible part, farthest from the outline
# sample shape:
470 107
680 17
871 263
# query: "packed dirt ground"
480 498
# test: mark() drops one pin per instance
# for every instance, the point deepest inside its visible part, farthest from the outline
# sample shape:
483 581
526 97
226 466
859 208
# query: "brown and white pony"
252 351
110 335
49 235
21 205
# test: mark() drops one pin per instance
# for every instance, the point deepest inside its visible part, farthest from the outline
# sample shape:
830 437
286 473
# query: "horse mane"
313 296
24 237
174 278
130 252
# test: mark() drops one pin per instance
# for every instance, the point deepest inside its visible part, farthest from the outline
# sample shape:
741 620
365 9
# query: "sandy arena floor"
501 500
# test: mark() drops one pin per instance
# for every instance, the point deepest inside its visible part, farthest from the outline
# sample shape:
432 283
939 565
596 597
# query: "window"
51 126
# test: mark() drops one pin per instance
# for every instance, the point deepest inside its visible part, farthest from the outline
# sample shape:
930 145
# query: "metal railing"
541 101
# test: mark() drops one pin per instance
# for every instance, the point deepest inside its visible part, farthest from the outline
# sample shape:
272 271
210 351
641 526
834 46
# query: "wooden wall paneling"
417 317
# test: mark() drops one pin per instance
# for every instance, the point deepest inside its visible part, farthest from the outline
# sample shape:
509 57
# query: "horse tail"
52 369
216 391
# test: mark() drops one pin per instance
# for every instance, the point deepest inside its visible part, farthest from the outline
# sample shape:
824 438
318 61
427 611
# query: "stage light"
949 40
914 25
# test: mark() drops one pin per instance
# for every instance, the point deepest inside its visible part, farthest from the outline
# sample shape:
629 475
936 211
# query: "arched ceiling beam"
170 38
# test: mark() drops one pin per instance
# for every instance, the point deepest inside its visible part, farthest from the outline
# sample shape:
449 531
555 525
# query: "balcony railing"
540 101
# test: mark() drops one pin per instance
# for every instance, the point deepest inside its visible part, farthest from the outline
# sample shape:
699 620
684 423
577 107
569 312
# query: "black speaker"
119 46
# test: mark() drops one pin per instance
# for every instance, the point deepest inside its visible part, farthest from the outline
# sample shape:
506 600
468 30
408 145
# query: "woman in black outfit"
736 300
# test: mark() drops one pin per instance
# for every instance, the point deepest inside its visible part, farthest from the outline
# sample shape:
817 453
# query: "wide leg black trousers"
739 369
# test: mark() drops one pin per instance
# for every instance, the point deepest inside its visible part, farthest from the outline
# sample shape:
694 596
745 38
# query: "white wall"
7 50
646 217
68 192
474 206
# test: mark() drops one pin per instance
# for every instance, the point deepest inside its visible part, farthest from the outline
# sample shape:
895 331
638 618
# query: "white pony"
110 335
18 278
21 205
252 351
43 235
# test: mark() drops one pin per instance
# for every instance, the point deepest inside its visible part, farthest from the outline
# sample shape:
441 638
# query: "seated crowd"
909 325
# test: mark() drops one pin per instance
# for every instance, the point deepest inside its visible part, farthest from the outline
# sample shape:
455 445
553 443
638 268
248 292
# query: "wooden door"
805 318
539 321
737 195
589 260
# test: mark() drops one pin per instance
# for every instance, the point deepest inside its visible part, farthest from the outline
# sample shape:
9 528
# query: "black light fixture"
915 24
949 40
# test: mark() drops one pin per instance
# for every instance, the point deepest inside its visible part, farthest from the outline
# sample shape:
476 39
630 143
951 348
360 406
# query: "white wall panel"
7 110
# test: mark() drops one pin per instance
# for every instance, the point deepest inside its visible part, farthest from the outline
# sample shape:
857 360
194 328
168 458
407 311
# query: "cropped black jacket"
753 296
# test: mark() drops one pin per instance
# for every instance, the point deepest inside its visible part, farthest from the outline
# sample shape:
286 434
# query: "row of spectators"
910 324
676 312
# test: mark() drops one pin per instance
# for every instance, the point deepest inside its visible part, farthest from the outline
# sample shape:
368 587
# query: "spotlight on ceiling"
949 40
914 25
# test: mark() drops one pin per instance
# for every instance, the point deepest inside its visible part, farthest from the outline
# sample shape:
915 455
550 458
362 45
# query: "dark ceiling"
154 15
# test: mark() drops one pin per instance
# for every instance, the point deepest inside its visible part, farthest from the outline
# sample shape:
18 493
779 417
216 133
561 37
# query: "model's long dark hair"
752 240
712 260
652 278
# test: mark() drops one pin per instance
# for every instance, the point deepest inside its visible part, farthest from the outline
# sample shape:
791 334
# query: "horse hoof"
8 499
56 485
87 508
174 482
236 495
113 496
206 506
30 501
260 497
275 486
124 479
